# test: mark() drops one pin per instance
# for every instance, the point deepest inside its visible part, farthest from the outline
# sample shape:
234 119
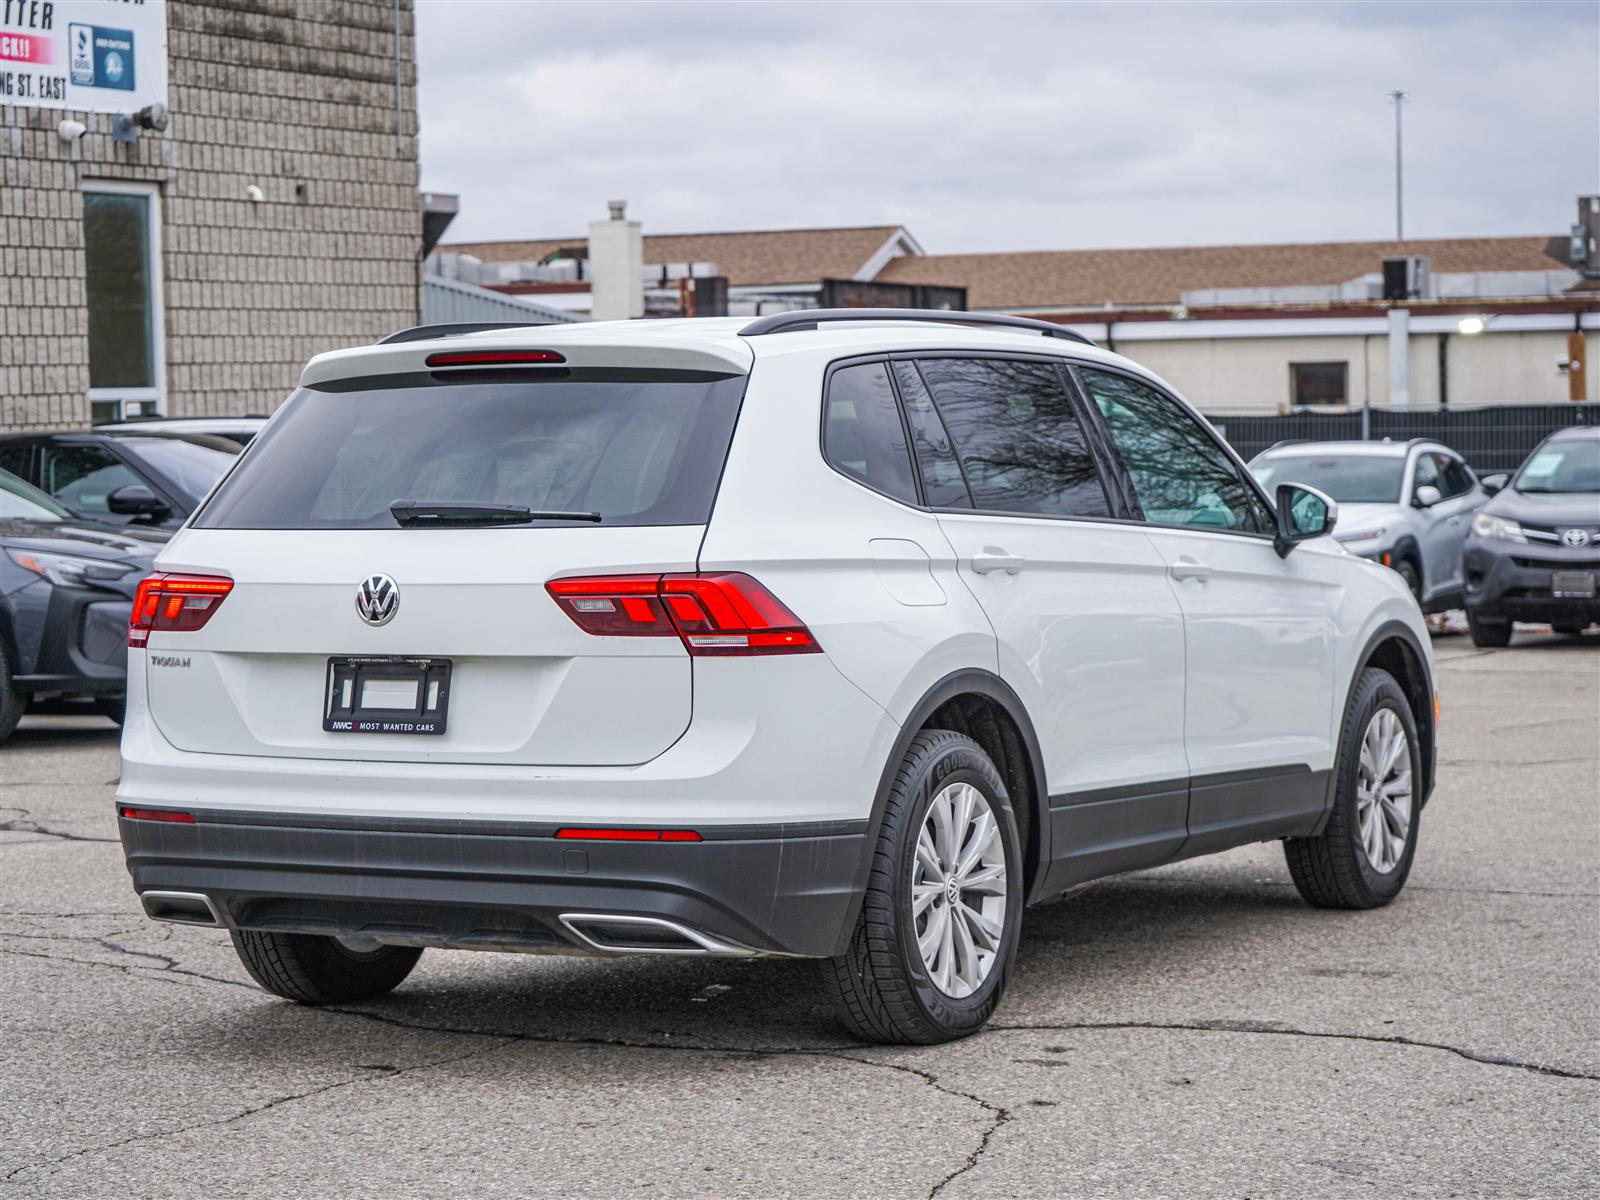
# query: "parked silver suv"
1408 505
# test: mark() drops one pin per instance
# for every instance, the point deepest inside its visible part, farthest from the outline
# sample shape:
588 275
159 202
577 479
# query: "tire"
114 709
1488 633
1335 869
1407 570
313 969
884 989
12 704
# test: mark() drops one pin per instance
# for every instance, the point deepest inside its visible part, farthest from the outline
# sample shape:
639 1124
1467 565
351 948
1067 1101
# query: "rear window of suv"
637 447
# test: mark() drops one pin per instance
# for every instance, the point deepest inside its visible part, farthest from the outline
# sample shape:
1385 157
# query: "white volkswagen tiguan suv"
845 635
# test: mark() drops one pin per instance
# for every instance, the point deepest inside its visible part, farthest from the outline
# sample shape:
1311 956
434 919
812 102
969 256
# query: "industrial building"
197 200
1421 323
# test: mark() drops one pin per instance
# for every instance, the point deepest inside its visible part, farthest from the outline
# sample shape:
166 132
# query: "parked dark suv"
66 588
121 478
1534 550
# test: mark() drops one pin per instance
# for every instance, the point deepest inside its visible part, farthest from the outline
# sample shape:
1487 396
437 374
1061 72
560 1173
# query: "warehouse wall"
1253 373
297 99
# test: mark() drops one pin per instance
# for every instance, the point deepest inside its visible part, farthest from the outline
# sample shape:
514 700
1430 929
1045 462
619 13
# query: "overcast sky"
995 126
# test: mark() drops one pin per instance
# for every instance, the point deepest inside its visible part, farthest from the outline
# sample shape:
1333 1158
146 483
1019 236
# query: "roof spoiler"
814 318
421 333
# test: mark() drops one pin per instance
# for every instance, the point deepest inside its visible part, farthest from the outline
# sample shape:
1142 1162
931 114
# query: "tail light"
170 815
714 614
179 603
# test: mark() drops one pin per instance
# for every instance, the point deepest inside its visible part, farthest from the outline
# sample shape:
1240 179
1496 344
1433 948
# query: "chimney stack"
616 266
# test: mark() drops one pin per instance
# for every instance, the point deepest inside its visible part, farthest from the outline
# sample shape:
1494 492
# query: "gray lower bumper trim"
776 894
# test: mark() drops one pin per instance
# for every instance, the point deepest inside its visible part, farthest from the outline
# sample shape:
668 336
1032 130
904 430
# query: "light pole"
1398 99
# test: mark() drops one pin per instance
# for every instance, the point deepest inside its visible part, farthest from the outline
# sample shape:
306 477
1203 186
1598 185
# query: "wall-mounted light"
125 126
1473 325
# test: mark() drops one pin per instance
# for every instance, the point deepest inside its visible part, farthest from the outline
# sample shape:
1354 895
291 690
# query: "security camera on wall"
70 131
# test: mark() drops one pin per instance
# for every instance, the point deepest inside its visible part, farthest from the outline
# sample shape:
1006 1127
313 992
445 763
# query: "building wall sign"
88 55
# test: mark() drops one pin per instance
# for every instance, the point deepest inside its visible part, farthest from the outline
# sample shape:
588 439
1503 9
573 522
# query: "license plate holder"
386 695
1572 585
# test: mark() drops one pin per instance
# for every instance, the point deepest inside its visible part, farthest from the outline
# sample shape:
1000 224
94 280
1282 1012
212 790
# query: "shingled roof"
764 256
1090 278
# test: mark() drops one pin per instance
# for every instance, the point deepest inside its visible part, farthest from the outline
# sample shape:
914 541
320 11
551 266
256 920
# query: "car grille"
1552 535
1544 564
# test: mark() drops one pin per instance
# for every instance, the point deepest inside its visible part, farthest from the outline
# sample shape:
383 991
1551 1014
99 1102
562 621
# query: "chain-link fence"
1497 438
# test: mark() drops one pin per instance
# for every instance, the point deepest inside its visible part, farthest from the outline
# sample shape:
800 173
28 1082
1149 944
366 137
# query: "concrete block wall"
300 100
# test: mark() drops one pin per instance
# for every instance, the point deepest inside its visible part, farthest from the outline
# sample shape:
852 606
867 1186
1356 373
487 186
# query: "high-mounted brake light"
175 603
496 358
727 614
157 814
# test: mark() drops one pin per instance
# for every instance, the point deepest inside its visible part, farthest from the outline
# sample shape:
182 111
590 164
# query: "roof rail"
421 333
813 318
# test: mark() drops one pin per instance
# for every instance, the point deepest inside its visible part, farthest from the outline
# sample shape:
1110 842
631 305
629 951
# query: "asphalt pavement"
1190 1031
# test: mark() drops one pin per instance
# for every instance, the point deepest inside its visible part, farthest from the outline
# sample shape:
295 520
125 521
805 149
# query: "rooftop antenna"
1398 99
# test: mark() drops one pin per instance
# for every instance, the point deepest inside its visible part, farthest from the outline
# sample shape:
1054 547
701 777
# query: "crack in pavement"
21 824
1410 887
373 1078
1257 1027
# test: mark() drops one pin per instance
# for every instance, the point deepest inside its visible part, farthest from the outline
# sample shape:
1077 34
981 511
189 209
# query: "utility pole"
1398 99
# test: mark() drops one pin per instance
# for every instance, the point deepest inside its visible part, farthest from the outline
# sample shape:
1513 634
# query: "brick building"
193 268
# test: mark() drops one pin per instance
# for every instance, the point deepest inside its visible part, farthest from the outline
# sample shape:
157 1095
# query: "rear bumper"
782 889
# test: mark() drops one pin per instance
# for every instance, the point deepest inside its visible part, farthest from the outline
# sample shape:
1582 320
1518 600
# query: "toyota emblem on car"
1576 537
377 599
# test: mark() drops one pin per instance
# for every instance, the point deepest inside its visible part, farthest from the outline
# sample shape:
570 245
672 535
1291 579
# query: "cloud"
1000 126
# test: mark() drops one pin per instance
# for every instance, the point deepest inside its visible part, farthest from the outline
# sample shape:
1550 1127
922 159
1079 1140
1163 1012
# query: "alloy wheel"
958 890
1383 791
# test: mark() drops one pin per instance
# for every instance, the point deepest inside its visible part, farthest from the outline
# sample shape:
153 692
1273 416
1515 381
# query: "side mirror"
136 500
1427 496
1303 513
1496 483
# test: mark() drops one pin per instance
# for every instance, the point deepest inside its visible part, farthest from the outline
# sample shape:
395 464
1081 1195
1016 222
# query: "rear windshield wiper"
412 514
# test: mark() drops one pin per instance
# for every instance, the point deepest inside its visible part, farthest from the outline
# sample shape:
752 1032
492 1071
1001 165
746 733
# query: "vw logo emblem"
378 599
1576 537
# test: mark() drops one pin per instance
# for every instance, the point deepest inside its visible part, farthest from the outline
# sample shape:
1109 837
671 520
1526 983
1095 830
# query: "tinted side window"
1020 444
1180 474
81 477
1457 479
15 458
861 433
942 483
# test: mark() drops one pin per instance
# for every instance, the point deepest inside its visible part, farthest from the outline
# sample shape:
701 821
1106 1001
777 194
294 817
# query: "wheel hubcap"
1383 791
958 890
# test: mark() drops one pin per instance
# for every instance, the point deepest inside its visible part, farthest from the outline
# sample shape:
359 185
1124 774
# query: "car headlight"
66 570
1360 535
1486 525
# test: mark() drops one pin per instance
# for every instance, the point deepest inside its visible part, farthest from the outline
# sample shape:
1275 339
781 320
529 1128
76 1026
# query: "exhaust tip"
645 935
185 908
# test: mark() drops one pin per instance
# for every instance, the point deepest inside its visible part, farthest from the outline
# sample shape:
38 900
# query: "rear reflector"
629 835
157 814
496 358
175 603
725 614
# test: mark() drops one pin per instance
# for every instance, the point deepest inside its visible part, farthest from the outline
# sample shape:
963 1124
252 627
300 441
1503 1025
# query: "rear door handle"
992 559
1187 568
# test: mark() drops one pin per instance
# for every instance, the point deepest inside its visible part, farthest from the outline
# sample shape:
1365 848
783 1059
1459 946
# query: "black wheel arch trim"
1387 632
970 681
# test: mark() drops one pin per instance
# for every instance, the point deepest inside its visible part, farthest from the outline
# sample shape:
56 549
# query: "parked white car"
1408 505
841 635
